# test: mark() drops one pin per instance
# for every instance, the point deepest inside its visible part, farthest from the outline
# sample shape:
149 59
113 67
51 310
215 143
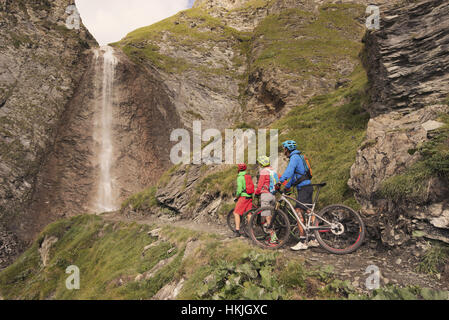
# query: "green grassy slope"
330 129
304 43
191 30
109 256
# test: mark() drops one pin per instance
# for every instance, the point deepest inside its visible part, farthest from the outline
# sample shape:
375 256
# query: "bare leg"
268 219
301 230
237 221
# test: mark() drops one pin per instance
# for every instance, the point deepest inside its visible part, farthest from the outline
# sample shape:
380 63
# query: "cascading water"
105 200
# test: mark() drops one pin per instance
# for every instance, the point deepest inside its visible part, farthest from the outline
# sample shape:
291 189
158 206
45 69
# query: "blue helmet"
289 144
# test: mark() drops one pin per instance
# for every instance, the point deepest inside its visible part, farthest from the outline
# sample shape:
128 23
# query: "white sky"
110 20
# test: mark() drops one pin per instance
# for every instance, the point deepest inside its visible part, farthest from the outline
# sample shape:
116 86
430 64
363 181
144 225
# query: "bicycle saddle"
319 184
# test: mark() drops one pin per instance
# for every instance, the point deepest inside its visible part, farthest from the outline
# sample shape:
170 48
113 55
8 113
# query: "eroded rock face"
408 58
178 193
142 121
236 14
146 117
10 246
49 164
41 64
218 80
388 149
407 62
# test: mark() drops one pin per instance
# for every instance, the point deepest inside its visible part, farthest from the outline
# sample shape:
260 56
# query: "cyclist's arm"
290 171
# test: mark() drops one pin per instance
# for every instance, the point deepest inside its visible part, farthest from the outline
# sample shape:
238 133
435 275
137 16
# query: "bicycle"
337 228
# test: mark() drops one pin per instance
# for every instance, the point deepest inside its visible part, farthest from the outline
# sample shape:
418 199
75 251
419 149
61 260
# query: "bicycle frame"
306 207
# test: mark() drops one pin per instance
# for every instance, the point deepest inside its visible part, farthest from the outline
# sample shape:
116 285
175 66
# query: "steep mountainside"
53 88
143 119
401 172
294 52
41 63
250 61
369 108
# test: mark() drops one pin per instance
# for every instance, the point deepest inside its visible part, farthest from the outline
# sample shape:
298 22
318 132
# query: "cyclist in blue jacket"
295 172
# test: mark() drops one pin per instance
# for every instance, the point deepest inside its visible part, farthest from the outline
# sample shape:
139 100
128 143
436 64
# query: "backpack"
307 166
249 184
274 180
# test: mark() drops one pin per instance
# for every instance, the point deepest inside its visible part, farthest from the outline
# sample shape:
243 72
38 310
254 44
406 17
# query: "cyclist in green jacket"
244 200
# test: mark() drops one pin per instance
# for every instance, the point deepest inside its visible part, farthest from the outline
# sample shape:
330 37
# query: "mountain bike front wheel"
294 230
231 220
346 232
262 235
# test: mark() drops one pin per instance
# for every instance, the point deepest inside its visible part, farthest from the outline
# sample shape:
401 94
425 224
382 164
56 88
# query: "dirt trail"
397 266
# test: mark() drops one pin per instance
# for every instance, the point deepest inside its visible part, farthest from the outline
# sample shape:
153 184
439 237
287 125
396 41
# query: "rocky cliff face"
229 62
394 175
143 118
408 58
51 84
281 29
41 63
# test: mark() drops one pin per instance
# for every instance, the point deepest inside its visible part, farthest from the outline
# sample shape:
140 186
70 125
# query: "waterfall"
105 200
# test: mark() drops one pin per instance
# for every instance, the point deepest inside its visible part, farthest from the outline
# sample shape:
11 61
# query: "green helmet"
264 161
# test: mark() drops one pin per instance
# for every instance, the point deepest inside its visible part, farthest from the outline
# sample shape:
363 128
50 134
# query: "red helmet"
241 166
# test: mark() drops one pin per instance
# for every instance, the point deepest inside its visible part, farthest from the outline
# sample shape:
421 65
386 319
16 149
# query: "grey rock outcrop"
179 195
407 62
408 58
169 291
386 152
9 246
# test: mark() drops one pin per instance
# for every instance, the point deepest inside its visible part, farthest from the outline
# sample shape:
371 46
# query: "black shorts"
305 195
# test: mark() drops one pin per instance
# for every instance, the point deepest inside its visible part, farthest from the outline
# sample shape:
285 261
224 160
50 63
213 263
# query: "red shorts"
243 204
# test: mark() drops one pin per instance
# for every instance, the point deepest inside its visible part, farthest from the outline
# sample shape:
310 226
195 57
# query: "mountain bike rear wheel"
259 233
347 232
